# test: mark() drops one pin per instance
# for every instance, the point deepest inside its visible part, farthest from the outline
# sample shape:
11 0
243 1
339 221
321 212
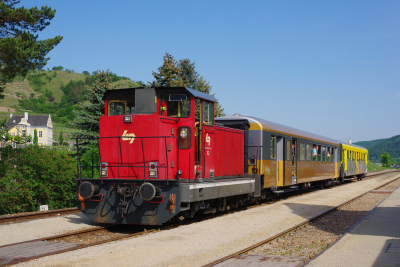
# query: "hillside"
391 145
377 147
370 144
37 82
57 92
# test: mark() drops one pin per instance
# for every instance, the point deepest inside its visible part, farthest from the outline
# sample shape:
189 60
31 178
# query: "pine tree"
87 119
35 138
169 74
20 49
188 72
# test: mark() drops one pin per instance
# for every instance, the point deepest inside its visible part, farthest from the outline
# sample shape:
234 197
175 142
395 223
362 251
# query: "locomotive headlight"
184 137
183 133
153 169
104 173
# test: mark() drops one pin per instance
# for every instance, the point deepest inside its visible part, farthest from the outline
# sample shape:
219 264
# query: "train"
164 156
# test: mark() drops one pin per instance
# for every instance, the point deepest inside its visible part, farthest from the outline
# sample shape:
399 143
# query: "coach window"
308 151
175 105
329 155
324 153
301 151
333 154
288 150
319 153
273 145
314 152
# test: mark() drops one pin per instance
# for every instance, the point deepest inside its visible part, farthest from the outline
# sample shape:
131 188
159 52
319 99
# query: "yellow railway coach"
285 158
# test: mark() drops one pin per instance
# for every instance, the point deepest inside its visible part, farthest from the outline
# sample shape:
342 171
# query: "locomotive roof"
268 125
191 92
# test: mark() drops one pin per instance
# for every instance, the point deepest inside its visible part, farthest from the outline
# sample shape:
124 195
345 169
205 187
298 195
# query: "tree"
169 74
385 159
20 49
87 119
35 138
61 138
183 73
188 72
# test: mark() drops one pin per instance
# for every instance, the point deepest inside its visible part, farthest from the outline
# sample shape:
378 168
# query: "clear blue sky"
328 67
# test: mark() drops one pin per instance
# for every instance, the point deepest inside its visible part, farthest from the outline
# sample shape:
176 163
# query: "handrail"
79 166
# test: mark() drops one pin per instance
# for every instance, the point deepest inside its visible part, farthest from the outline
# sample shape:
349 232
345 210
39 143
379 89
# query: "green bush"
34 176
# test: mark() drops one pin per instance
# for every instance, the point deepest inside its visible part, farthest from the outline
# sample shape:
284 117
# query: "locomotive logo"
131 137
208 139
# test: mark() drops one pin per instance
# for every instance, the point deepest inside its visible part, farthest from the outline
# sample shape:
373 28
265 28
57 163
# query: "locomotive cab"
150 141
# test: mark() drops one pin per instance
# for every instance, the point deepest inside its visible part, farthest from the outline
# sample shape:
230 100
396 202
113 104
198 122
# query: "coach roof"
279 128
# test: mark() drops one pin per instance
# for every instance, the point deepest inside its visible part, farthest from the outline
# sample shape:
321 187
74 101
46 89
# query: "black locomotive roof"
191 92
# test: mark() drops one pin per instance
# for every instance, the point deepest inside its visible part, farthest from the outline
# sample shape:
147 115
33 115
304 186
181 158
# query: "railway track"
34 249
47 246
37 215
55 213
247 251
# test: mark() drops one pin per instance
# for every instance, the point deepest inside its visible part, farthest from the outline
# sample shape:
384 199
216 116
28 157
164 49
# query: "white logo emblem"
131 138
208 139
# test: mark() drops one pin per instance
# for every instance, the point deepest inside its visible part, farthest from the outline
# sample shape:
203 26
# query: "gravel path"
200 243
313 238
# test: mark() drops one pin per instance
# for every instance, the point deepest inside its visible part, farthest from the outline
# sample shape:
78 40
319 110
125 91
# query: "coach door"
280 163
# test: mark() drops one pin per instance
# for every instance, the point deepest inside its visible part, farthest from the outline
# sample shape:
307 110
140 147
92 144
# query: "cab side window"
208 113
175 105
116 108
121 104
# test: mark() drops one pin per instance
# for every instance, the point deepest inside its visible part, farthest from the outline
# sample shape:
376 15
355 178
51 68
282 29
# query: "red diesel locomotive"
157 160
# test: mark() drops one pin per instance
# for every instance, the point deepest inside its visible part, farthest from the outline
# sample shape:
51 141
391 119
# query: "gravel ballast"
200 243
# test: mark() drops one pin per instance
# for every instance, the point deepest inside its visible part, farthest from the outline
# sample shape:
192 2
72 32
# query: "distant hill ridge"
377 147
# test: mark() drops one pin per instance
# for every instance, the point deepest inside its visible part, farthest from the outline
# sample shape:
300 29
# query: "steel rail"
52 213
268 240
97 229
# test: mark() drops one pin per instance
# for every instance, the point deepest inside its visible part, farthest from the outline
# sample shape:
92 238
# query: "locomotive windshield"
121 104
175 105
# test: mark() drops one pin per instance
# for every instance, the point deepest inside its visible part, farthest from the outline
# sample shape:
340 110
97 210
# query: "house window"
40 134
23 132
